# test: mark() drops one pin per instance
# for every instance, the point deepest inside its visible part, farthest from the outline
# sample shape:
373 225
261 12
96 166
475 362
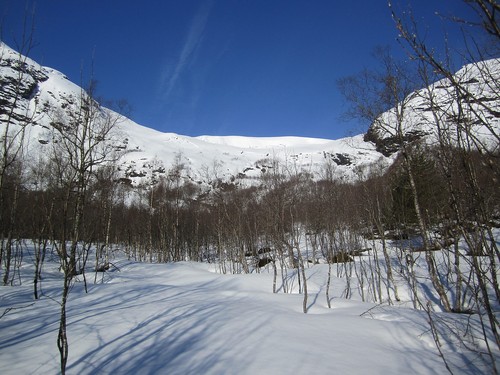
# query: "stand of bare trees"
470 107
283 225
460 205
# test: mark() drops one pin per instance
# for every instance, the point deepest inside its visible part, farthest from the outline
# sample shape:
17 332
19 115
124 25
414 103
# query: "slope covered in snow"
205 158
45 93
185 318
436 110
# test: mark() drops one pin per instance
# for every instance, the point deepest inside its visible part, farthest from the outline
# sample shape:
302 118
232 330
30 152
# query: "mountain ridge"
39 96
146 150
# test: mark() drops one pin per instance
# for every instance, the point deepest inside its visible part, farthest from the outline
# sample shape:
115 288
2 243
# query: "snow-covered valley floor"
184 318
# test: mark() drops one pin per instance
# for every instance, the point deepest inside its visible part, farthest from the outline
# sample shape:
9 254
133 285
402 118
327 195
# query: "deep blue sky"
218 67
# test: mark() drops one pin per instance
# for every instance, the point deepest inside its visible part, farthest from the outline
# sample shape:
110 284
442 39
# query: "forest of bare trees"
434 197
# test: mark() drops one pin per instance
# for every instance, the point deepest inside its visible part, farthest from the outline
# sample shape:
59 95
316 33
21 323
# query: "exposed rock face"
391 144
19 83
340 158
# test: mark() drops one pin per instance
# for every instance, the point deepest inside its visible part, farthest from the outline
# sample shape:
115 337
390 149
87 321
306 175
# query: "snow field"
185 318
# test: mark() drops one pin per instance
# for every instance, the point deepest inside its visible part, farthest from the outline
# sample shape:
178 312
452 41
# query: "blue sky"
219 67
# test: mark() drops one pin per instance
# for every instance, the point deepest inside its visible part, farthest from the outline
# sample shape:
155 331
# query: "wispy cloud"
189 51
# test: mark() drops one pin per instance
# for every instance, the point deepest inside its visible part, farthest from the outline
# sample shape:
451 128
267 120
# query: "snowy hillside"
44 93
478 113
207 157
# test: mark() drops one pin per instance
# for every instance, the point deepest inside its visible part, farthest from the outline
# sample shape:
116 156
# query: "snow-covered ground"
186 318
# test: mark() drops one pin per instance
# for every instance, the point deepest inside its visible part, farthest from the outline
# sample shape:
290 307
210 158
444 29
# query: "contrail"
192 43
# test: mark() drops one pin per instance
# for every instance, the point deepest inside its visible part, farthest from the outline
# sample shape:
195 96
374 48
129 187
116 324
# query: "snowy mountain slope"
43 93
476 107
206 158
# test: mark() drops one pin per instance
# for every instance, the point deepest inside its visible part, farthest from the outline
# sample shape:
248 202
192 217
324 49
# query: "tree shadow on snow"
184 333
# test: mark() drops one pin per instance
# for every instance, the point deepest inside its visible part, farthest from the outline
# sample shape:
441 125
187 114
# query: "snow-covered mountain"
475 106
43 92
34 95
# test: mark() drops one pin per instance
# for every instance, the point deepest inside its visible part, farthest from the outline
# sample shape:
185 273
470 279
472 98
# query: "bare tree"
473 96
383 98
16 115
81 141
